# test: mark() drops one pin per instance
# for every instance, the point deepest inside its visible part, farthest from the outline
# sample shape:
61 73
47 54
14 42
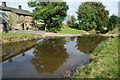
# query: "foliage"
104 62
39 25
92 31
51 13
101 15
11 21
55 30
114 31
86 17
113 22
71 22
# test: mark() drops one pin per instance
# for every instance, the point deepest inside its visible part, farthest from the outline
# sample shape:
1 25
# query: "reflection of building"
9 51
119 8
17 19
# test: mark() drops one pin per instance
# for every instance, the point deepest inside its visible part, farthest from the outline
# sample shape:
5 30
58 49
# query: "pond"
47 58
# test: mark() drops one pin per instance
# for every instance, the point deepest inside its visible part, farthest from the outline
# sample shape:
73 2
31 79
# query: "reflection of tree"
70 39
50 54
88 43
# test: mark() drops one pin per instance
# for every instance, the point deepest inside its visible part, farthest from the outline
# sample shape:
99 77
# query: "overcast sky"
111 5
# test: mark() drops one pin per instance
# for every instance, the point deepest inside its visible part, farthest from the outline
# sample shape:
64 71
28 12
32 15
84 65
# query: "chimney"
20 7
4 4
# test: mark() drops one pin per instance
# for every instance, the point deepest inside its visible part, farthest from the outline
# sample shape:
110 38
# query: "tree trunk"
45 28
45 25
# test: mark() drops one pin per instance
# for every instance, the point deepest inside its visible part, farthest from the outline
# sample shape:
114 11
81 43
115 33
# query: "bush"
55 30
40 27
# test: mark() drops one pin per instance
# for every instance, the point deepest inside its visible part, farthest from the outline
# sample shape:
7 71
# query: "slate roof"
2 21
16 11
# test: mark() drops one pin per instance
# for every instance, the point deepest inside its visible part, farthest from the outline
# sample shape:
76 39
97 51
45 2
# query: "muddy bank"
109 35
62 35
50 35
47 35
14 39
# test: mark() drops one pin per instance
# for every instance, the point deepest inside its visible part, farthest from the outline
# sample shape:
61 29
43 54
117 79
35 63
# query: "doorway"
23 27
5 28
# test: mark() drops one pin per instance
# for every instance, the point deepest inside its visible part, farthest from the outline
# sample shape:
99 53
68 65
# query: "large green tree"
86 17
71 22
52 13
113 22
101 15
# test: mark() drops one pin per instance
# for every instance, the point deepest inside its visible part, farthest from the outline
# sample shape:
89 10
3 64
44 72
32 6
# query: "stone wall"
24 22
18 22
3 19
1 25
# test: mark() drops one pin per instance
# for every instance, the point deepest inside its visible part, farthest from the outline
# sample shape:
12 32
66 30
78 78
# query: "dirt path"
61 35
50 34
108 35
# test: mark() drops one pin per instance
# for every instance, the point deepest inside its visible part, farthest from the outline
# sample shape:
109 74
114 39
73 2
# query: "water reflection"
49 55
11 50
88 43
50 58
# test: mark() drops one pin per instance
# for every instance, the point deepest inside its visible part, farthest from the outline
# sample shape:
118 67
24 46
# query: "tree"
71 22
86 17
52 13
113 22
11 21
118 23
101 15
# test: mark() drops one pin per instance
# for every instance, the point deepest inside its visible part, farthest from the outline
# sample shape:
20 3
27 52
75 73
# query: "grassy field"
104 62
71 31
14 37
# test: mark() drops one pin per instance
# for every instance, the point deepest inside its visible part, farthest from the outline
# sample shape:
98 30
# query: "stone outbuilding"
15 19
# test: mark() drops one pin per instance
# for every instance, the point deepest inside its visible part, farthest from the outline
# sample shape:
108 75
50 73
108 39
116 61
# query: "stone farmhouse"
15 19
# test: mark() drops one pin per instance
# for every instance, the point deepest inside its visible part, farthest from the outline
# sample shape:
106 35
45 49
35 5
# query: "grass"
114 31
71 31
104 62
13 37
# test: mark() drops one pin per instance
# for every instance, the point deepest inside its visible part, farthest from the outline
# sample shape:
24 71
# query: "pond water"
47 58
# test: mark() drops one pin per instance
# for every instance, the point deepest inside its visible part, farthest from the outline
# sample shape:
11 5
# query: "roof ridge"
15 10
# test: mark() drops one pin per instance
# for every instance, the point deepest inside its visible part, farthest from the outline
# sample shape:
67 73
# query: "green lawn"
71 31
104 62
15 37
